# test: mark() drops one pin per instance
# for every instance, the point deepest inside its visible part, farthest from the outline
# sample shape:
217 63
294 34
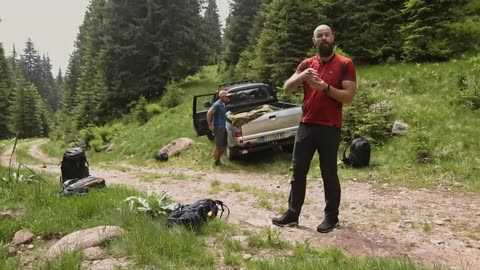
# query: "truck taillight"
238 131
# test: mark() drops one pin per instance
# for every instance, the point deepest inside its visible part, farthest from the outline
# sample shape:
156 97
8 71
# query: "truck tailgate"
273 122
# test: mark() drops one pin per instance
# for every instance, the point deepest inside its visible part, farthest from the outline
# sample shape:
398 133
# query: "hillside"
439 150
398 206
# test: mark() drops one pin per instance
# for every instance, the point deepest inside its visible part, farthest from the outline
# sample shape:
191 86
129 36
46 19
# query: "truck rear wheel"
231 153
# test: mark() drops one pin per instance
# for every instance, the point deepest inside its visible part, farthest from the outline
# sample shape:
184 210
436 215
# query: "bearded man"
329 81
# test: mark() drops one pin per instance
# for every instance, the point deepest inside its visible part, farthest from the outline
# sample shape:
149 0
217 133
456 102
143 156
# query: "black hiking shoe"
327 225
218 163
286 220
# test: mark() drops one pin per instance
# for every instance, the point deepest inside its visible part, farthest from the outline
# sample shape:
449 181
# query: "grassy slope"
139 143
423 100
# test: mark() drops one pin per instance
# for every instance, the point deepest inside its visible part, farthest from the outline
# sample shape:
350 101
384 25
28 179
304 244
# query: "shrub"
65 128
97 138
422 146
360 119
468 94
469 98
139 111
173 96
96 145
153 109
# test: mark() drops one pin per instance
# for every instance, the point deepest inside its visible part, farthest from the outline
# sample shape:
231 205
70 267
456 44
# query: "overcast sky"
51 24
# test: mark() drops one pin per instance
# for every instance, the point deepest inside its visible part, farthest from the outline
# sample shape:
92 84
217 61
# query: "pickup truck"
271 129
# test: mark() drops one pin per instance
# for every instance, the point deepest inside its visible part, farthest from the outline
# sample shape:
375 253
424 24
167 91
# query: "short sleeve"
302 66
350 73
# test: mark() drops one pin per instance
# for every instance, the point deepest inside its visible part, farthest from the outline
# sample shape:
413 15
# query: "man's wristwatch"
327 89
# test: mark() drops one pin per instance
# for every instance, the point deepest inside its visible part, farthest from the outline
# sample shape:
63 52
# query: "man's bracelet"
327 89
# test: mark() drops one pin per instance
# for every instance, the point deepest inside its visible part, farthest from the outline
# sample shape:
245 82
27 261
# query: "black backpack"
359 153
194 215
74 165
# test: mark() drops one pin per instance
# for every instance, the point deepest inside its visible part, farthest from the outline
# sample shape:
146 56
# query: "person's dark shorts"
220 137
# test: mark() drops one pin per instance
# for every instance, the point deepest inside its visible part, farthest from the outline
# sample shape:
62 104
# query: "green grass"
423 98
146 242
53 149
72 260
307 258
21 152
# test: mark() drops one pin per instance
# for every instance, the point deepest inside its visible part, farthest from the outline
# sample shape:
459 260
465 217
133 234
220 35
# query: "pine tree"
6 87
44 117
69 89
423 32
38 71
367 30
29 62
26 116
286 37
14 59
90 90
58 86
238 25
147 45
245 68
47 83
212 29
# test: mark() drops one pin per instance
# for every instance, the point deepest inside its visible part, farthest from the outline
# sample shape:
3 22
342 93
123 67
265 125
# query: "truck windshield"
250 95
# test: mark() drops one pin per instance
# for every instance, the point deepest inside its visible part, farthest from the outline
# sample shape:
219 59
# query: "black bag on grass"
74 164
359 153
194 215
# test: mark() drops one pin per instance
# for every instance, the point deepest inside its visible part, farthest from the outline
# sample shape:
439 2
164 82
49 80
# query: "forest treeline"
131 50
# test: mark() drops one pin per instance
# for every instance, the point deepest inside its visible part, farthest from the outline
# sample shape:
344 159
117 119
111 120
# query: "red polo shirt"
318 107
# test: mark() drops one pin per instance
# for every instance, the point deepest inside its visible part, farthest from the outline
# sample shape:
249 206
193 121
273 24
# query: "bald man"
328 81
217 120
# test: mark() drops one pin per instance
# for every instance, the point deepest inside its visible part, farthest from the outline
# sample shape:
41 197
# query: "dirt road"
431 227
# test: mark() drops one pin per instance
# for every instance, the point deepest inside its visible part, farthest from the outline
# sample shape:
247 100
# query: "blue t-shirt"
219 117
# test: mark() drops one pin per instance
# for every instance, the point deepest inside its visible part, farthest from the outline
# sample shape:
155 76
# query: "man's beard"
325 49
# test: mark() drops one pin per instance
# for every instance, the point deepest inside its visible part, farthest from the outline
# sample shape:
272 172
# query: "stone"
173 148
439 222
391 92
110 148
399 128
83 239
383 107
106 264
11 251
22 237
437 241
247 257
93 253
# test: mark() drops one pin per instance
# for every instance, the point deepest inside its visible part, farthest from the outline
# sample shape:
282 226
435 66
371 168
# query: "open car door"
201 104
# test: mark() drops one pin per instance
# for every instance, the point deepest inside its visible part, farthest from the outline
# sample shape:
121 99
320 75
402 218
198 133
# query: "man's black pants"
325 140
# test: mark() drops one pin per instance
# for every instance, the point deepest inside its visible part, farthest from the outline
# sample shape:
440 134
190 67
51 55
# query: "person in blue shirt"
216 119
